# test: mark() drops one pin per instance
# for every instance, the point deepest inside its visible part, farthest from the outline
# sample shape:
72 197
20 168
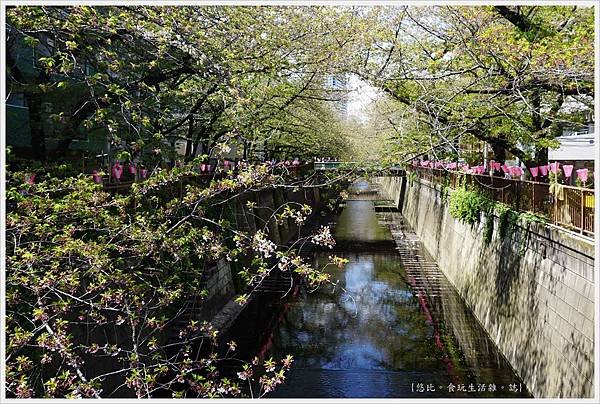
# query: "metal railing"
333 165
563 205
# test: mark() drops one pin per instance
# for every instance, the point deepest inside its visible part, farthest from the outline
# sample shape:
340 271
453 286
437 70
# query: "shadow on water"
373 335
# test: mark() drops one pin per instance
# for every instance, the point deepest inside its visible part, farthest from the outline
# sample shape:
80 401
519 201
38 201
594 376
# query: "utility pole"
485 154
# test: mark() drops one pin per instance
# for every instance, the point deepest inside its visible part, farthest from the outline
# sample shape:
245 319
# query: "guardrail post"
555 200
582 210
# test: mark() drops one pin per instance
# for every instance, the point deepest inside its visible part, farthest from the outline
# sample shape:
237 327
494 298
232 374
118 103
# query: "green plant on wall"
411 176
467 205
445 188
489 227
506 218
555 177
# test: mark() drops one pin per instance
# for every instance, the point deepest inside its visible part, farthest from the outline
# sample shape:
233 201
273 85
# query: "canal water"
382 331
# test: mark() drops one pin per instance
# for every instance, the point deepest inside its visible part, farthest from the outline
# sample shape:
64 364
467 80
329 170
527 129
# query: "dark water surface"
374 334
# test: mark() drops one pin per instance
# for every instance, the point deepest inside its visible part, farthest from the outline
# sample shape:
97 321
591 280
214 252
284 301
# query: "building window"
17 100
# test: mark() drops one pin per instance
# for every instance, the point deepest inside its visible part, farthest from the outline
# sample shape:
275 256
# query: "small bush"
467 205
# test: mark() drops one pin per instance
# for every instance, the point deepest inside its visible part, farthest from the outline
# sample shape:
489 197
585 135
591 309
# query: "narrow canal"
384 330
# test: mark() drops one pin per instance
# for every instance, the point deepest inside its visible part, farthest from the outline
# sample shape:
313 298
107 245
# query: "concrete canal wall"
532 290
218 279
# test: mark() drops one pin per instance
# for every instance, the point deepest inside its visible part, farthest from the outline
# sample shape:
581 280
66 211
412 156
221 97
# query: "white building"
577 146
337 85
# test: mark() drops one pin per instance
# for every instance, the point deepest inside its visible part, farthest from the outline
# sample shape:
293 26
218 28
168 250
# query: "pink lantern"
203 167
534 171
424 163
505 168
97 177
497 166
117 170
132 169
516 171
568 169
582 174
143 172
414 163
554 167
543 170
30 178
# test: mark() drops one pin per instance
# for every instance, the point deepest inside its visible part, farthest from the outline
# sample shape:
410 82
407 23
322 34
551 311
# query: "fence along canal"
563 205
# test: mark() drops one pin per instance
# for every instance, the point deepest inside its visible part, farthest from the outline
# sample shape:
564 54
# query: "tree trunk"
499 152
36 125
541 156
63 146
190 150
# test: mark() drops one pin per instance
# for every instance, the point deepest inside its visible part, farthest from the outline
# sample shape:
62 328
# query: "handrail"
570 207
507 179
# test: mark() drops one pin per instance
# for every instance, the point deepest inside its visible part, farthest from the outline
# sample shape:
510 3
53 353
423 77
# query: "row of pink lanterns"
543 170
117 170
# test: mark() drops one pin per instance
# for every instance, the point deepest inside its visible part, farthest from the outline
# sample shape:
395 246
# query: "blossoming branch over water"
324 237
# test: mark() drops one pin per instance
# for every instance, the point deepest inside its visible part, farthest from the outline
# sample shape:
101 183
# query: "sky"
361 95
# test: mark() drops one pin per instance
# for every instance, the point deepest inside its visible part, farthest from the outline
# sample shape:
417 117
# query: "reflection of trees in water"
358 222
386 331
389 331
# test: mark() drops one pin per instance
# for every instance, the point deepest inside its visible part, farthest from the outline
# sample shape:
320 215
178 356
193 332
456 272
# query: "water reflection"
373 335
371 320
358 222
